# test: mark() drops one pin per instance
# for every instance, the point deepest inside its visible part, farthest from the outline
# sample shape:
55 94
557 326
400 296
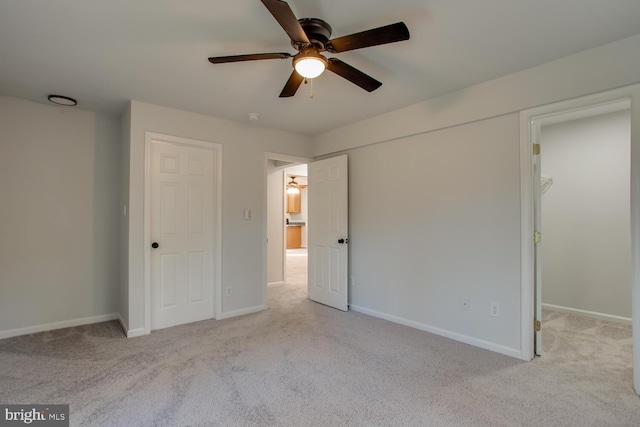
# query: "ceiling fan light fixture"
309 64
292 187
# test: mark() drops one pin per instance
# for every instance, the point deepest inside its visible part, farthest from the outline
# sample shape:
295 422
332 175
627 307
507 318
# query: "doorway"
531 274
296 229
585 251
328 238
286 230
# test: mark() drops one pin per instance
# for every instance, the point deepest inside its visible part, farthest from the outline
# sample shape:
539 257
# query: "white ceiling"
104 53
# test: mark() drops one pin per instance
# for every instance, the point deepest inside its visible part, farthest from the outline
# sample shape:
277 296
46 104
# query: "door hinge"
537 237
536 149
537 326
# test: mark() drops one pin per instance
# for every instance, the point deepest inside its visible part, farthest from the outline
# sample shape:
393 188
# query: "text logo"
35 415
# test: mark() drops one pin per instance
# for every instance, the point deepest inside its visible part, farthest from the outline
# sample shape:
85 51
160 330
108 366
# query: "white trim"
635 231
275 283
58 325
265 224
593 314
217 240
527 312
508 351
243 311
631 93
132 333
123 324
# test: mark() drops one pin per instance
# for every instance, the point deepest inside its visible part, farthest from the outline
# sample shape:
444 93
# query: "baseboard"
242 312
58 325
275 283
125 328
594 314
132 333
123 324
508 351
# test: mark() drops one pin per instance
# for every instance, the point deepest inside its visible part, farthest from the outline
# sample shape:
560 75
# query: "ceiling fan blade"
287 20
382 35
250 57
294 82
354 75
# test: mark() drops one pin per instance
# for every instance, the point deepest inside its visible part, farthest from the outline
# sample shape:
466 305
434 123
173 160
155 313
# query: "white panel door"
328 232
182 227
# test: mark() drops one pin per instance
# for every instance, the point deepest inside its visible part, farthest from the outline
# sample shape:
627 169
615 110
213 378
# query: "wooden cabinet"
294 202
294 237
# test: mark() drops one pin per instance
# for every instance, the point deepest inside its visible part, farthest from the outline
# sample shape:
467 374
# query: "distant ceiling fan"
310 36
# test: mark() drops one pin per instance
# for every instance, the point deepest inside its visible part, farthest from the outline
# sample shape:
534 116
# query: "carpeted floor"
303 364
577 343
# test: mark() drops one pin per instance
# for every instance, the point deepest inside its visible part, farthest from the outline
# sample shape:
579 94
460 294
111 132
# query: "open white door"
328 232
537 246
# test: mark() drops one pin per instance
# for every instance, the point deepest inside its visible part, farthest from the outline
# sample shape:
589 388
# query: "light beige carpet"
303 364
578 344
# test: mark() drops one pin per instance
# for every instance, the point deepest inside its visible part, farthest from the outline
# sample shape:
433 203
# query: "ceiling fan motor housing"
318 32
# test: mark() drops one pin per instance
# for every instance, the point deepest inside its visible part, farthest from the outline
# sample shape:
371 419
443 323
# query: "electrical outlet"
494 310
229 292
466 304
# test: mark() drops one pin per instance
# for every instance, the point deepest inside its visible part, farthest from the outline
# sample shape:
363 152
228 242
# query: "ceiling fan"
310 37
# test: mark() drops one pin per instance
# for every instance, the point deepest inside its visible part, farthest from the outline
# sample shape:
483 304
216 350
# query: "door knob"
343 241
155 245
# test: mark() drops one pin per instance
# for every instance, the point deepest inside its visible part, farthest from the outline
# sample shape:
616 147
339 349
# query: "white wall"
59 227
595 70
275 224
586 251
434 219
106 213
125 139
243 185
455 228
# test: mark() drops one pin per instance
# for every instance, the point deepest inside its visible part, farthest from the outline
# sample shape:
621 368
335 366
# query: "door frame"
292 161
149 137
629 93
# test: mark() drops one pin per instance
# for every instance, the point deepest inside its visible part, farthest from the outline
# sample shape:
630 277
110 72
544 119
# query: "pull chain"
306 81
